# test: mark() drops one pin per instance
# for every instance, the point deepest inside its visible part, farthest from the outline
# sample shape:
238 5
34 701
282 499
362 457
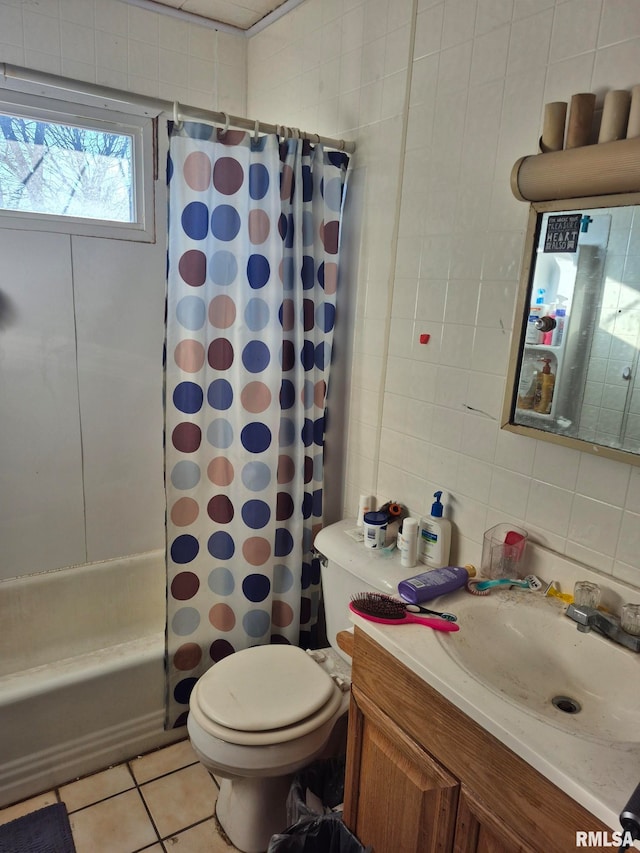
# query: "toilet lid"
262 688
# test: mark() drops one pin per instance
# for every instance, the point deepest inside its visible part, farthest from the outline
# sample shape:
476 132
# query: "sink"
521 645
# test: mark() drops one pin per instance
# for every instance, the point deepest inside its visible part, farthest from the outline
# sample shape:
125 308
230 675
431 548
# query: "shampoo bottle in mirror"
434 536
544 392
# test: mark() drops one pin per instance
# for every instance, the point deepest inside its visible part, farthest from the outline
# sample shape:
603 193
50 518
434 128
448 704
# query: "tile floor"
162 801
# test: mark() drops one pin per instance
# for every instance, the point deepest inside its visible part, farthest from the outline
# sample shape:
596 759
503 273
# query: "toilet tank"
349 567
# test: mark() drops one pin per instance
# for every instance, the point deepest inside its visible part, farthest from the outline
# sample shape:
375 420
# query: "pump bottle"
434 536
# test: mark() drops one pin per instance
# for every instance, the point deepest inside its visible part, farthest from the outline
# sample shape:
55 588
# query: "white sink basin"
521 645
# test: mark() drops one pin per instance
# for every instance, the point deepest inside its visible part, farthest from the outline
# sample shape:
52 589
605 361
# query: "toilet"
260 715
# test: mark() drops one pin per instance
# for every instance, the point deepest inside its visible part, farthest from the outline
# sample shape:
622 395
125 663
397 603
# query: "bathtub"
81 671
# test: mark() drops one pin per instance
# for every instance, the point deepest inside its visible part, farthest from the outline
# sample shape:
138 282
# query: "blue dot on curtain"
308 469
322 356
307 432
318 431
256 476
307 505
321 275
306 576
307 355
191 313
223 268
287 273
256 587
225 222
282 226
256 623
256 514
308 229
221 581
283 543
188 397
256 314
170 168
287 433
289 233
185 621
288 355
184 549
220 433
221 545
307 272
282 578
258 271
332 194
307 541
307 184
195 130
255 437
195 220
308 394
185 475
287 394
325 316
317 502
220 394
338 158
256 356
182 690
258 181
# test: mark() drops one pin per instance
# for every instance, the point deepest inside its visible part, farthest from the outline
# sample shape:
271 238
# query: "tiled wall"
81 444
114 44
480 73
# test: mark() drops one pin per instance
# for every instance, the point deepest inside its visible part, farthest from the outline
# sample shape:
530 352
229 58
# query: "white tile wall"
82 452
480 73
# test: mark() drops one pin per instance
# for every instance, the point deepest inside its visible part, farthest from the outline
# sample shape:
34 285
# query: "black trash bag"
326 834
325 781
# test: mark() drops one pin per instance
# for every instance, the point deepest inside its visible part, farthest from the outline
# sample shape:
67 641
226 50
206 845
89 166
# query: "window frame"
103 119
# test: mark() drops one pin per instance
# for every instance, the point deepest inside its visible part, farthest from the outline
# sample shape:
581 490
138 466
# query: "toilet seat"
264 695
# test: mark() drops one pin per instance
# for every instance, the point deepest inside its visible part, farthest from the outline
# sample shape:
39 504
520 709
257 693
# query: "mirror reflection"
577 360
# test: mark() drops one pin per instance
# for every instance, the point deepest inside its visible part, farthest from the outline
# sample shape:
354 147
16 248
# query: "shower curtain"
254 233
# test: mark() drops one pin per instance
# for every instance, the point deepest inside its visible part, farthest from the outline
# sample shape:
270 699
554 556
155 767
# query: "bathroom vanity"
423 776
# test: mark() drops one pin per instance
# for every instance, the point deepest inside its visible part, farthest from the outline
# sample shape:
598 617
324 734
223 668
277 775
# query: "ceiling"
240 14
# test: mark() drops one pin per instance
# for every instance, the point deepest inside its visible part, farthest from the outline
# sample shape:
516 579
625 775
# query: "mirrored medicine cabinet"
574 373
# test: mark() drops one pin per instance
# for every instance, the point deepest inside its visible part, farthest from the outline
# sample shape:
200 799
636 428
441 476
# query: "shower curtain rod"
41 83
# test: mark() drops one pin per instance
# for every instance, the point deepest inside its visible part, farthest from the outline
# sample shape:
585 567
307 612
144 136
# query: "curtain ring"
317 136
256 130
226 122
176 114
342 143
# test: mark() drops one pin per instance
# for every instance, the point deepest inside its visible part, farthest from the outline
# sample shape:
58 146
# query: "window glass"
66 170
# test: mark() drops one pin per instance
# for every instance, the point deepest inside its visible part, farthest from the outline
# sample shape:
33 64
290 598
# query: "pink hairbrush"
381 608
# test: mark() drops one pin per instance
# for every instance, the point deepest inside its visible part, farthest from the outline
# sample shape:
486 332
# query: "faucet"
609 626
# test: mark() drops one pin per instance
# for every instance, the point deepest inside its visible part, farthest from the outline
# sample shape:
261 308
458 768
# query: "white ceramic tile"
556 465
121 407
490 350
11 28
616 65
594 525
81 12
485 394
41 439
603 479
492 14
490 52
589 557
549 507
428 38
41 32
457 345
620 21
515 452
529 45
459 22
509 492
447 427
575 28
479 438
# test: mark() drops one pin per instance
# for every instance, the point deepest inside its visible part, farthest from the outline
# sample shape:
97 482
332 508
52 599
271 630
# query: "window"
82 174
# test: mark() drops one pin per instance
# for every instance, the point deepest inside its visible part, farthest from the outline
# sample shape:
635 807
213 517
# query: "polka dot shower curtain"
254 230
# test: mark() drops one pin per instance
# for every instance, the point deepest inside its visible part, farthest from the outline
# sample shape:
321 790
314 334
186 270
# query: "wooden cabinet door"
478 830
397 798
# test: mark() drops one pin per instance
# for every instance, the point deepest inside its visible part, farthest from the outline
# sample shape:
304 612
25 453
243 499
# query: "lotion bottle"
434 536
434 583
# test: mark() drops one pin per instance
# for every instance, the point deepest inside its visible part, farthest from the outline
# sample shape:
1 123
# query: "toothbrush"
418 608
482 586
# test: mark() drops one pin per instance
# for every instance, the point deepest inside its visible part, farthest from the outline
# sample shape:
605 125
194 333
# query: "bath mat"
46 831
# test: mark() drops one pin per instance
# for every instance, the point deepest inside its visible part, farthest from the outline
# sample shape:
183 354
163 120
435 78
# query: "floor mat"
44 831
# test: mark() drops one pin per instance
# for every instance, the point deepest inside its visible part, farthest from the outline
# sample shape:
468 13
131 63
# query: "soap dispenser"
434 537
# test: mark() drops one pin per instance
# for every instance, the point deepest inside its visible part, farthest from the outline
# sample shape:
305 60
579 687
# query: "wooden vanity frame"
423 777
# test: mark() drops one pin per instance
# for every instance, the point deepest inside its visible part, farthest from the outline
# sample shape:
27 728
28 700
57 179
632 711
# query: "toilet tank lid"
377 569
